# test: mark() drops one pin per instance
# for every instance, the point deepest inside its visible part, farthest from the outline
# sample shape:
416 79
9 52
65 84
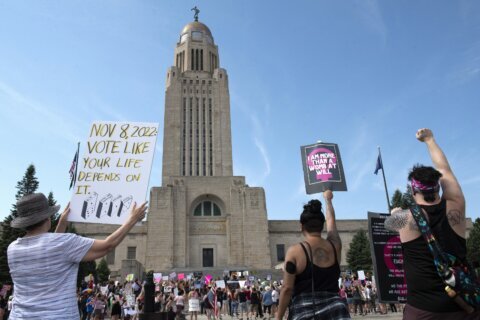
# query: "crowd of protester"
361 296
186 299
181 298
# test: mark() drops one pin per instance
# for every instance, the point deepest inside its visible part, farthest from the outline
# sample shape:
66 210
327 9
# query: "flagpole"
384 181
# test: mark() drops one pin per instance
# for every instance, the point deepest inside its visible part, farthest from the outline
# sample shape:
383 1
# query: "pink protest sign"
322 168
208 277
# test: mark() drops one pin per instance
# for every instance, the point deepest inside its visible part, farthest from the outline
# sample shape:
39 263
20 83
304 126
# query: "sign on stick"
322 168
114 171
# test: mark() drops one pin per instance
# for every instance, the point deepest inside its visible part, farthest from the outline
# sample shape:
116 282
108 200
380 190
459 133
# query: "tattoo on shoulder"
320 255
455 217
400 220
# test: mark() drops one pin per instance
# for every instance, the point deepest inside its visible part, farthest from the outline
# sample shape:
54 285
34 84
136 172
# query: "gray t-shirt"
44 271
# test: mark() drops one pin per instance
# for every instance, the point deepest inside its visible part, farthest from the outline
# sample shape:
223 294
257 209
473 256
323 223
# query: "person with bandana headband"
445 212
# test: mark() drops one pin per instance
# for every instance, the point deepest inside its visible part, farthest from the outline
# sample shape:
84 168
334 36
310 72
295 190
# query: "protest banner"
114 171
361 275
387 260
164 278
241 283
157 277
220 284
172 276
322 168
181 276
269 277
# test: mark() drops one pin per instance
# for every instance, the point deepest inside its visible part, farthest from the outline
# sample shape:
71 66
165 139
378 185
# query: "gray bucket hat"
32 209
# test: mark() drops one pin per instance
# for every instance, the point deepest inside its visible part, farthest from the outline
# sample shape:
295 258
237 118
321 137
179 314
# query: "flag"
73 169
379 164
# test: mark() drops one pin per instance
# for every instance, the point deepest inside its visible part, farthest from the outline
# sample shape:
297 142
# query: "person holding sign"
44 264
445 214
312 268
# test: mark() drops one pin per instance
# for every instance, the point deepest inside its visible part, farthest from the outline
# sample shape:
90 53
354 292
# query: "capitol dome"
196 26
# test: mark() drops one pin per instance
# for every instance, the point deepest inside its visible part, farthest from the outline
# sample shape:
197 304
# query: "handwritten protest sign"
114 171
322 168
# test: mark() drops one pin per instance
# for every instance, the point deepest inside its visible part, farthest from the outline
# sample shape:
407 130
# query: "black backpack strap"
334 250
306 253
440 259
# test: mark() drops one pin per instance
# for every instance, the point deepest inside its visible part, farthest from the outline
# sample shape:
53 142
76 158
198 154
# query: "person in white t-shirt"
45 265
275 297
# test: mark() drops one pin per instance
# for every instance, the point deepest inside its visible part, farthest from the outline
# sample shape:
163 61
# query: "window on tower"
207 209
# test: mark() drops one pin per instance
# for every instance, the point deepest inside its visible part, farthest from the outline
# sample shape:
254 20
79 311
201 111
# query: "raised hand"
424 135
328 195
138 213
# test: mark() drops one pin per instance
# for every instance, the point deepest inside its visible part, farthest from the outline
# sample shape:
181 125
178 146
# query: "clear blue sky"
358 73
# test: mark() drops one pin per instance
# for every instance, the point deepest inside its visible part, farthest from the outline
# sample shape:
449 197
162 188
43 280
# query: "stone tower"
202 216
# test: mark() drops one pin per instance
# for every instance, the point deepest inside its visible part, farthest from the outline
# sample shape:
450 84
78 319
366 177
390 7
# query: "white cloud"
266 159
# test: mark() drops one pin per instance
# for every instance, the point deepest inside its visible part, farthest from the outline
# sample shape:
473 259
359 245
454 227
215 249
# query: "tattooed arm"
332 232
400 220
450 187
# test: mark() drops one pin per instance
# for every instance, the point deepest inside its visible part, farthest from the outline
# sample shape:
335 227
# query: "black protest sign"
322 168
387 260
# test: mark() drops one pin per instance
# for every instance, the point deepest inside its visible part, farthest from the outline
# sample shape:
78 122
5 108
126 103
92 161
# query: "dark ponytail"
312 218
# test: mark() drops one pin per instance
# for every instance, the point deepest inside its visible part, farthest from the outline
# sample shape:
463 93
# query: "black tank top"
426 290
325 279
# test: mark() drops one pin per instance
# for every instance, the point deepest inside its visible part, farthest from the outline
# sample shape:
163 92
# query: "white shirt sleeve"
76 247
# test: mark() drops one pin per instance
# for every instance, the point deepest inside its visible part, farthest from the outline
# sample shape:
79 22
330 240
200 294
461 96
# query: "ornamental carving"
207 227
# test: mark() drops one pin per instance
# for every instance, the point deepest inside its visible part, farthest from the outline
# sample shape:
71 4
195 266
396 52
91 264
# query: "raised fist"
424 134
328 195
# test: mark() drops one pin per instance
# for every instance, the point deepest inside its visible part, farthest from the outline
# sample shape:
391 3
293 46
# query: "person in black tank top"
426 296
310 281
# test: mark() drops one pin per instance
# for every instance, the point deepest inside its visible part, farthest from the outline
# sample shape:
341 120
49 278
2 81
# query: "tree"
52 202
28 185
397 199
358 255
407 197
103 271
84 269
473 243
